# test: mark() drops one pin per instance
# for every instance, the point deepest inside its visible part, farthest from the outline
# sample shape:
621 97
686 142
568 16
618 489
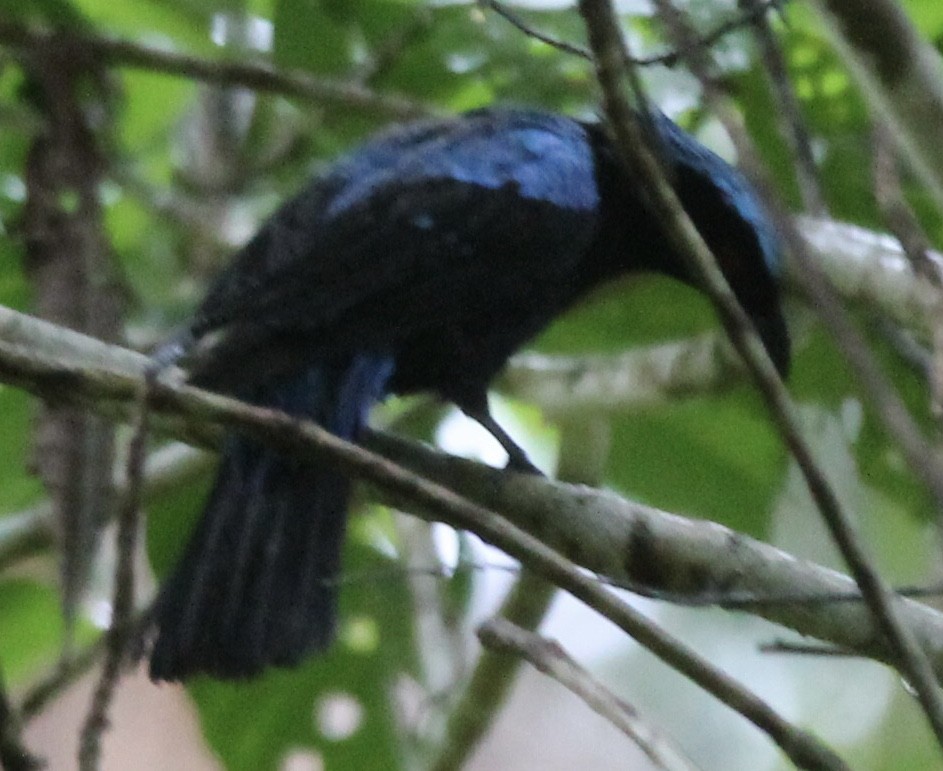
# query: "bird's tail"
256 584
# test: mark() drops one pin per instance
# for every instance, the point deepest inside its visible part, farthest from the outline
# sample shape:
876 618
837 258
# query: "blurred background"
140 152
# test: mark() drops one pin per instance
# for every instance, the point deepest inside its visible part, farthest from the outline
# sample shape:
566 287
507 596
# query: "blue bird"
419 262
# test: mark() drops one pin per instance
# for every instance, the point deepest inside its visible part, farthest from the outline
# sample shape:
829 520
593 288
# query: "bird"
418 262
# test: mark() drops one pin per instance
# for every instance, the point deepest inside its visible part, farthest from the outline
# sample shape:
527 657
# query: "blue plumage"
419 262
683 150
265 556
545 157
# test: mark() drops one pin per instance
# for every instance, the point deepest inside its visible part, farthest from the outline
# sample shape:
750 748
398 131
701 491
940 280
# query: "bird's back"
449 243
459 235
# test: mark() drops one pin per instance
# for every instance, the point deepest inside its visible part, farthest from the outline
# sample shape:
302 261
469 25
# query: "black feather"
420 262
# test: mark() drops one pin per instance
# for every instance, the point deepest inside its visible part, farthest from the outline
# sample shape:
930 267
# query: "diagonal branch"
788 111
899 74
908 655
584 449
548 656
192 412
261 77
636 546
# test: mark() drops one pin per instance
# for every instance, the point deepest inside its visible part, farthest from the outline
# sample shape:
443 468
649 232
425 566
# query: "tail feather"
261 519
256 584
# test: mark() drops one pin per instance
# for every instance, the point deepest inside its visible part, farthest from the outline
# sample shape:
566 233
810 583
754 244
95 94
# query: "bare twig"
47 688
898 216
806 649
789 113
911 659
670 59
385 56
548 656
119 632
516 21
898 72
584 450
67 672
903 223
299 85
486 691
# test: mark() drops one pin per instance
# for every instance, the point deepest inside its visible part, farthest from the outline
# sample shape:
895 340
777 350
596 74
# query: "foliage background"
184 188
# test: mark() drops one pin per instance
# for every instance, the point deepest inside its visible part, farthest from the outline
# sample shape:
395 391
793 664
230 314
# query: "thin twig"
269 426
806 649
789 113
897 71
67 672
261 77
911 351
384 56
481 698
119 634
516 21
898 216
548 656
669 59
912 662
903 223
42 692
584 451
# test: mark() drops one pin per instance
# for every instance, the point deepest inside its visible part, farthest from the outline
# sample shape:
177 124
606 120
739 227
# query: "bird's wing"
453 217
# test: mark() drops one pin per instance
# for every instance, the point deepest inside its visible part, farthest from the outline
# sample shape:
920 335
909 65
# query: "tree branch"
788 111
608 45
899 74
636 546
908 655
867 269
584 449
638 378
192 410
118 636
548 656
260 77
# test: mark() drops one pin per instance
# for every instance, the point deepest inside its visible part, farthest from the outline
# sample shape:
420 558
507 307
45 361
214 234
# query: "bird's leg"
517 458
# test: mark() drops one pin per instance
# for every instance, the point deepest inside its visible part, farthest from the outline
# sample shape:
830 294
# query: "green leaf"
59 12
638 310
184 23
32 628
329 51
18 488
716 458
